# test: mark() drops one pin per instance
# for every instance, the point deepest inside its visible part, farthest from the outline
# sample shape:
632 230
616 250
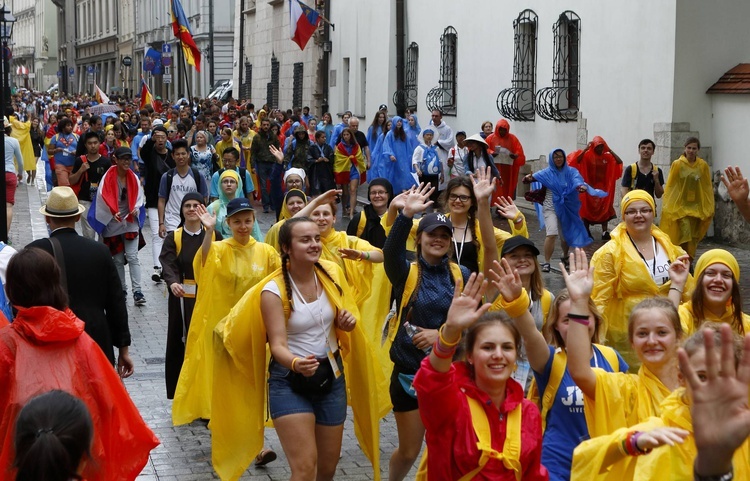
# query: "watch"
719 477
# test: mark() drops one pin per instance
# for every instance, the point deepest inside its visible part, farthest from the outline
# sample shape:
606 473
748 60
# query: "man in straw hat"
89 277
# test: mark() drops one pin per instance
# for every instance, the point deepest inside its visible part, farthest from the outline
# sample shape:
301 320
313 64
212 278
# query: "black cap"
518 241
123 152
430 222
383 107
239 204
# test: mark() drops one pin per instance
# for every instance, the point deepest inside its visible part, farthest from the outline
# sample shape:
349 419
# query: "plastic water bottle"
411 330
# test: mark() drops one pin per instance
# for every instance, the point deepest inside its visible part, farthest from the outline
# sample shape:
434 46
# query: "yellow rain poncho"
272 236
240 378
22 132
622 400
500 235
230 270
621 280
359 274
688 320
664 463
688 203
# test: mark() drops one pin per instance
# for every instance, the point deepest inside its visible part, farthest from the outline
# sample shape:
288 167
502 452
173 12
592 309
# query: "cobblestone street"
185 451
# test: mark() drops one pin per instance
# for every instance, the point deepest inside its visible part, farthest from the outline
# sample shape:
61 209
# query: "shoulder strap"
170 176
196 177
633 174
178 239
409 286
458 276
243 177
546 304
610 355
58 253
511 452
361 224
559 363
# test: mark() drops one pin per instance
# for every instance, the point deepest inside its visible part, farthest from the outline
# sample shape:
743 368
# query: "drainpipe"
400 49
211 43
241 61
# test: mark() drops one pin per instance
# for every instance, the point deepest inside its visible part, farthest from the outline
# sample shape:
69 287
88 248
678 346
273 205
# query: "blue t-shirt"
69 144
566 422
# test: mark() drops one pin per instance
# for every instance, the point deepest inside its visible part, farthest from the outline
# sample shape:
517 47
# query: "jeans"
86 229
264 172
156 240
134 265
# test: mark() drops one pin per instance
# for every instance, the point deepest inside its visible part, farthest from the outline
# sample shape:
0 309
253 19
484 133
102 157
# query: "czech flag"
303 21
181 29
146 97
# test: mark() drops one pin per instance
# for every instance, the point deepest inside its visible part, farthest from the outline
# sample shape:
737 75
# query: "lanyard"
459 252
656 253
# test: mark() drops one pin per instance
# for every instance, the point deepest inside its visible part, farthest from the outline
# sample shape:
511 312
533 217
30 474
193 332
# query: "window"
443 97
246 87
297 85
272 88
517 102
560 101
406 98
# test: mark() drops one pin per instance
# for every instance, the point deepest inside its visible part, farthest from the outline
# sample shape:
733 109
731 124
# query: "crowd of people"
422 307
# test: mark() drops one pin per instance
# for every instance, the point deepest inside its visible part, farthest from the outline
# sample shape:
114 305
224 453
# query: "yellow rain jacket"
500 235
230 270
689 193
22 132
621 280
359 274
622 400
272 236
239 392
673 463
688 320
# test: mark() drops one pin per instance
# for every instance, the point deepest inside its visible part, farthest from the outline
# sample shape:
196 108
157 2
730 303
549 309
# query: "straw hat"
477 138
62 202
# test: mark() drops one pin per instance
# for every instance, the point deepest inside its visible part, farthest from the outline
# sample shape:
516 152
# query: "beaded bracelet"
444 342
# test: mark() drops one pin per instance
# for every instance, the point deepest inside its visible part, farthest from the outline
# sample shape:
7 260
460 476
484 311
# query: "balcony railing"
557 103
516 103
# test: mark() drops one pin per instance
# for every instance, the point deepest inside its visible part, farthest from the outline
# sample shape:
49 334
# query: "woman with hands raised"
480 395
424 290
562 414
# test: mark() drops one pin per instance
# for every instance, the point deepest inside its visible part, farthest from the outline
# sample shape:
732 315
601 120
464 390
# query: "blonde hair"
552 335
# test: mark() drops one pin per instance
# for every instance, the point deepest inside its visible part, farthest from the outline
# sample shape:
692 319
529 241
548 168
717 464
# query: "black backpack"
196 178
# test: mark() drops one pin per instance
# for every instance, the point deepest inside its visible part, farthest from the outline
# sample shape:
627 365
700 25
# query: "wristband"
444 342
441 352
634 439
675 289
368 255
516 218
584 322
293 362
517 307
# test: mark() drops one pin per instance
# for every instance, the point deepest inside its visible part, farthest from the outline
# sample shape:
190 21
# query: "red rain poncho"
508 172
600 172
46 349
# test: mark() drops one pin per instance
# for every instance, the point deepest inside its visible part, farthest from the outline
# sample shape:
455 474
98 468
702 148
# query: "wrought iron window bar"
443 97
297 85
272 88
517 102
246 87
406 98
560 101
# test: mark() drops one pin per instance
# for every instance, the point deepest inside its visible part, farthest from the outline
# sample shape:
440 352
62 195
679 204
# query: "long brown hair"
456 182
699 313
553 336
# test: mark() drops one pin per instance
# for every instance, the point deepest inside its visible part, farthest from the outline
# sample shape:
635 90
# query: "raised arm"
209 222
514 300
484 186
323 199
678 274
579 282
738 189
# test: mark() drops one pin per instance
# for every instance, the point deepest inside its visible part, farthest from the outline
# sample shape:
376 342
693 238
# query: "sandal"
545 267
265 456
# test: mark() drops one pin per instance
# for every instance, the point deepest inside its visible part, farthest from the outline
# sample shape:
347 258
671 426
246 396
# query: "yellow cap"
717 256
633 196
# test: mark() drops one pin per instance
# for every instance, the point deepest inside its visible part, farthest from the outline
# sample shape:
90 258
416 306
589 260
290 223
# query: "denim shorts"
329 409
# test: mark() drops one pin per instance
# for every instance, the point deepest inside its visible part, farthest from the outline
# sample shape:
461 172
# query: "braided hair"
285 243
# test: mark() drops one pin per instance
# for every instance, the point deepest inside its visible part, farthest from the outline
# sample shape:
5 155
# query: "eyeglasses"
462 198
191 206
171 131
294 181
378 192
643 212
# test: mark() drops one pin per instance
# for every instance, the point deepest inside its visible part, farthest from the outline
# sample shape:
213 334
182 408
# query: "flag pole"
333 27
184 71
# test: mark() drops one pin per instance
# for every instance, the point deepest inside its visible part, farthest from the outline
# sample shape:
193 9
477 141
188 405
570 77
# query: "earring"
515 367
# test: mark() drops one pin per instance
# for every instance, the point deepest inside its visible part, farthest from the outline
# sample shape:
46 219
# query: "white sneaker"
156 276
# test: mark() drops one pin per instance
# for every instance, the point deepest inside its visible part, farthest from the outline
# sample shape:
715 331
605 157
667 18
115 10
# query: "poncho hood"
45 324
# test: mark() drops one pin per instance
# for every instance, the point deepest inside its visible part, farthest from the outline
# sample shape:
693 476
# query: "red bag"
77 186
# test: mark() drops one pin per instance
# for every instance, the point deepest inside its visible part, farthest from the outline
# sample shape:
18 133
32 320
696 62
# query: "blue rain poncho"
398 172
564 183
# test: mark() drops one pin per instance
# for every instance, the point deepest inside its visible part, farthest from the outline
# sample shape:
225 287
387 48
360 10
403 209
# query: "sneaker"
545 267
139 298
156 276
266 210
606 236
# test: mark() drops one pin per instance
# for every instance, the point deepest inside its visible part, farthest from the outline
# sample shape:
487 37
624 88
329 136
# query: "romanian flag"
146 97
181 29
303 21
101 97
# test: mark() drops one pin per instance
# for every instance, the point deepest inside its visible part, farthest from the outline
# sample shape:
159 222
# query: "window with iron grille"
443 97
406 98
517 102
272 88
560 101
297 85
247 86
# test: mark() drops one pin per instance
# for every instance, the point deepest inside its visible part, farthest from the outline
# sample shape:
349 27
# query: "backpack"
633 175
559 364
178 239
361 224
242 173
170 177
77 186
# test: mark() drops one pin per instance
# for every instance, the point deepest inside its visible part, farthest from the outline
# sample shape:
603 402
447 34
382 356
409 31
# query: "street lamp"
6 31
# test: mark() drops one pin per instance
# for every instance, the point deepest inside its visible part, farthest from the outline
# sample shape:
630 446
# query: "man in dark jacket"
90 278
263 160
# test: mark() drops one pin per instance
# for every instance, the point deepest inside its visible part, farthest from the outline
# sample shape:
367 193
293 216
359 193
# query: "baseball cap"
122 152
383 107
240 204
157 122
432 221
518 241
